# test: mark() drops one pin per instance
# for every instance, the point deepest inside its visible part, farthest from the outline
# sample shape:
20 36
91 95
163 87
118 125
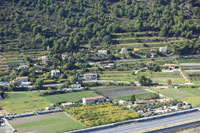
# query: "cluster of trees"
66 25
187 47
144 81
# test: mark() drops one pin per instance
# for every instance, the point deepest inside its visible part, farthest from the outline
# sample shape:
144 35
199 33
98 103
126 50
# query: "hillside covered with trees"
68 25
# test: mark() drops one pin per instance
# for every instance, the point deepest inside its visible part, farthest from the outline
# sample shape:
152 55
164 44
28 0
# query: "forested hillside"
67 25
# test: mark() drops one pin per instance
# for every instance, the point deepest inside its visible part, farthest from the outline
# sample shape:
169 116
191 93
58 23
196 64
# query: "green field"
69 97
21 102
190 95
118 76
162 77
157 77
49 123
138 96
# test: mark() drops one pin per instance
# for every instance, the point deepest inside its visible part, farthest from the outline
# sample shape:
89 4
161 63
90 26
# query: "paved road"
153 124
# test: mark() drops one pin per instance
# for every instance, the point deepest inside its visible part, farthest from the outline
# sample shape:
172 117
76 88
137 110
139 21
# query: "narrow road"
186 79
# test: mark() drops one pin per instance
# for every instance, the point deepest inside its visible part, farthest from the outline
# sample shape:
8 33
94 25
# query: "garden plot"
48 123
114 92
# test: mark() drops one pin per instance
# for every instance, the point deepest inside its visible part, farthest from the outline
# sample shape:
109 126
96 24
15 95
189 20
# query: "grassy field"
23 102
118 76
138 96
49 123
157 77
93 115
190 95
162 77
69 97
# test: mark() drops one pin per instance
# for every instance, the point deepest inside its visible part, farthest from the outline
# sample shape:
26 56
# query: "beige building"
163 49
44 59
89 76
67 104
93 100
171 66
102 52
22 79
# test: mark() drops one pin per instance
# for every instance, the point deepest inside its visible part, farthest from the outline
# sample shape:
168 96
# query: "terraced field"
3 63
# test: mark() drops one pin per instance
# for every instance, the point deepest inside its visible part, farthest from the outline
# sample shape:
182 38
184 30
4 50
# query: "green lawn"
49 123
190 95
69 97
23 102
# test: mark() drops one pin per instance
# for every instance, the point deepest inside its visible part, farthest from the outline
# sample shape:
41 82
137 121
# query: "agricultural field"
105 113
15 57
48 123
117 76
20 102
3 63
69 97
191 69
190 95
157 77
144 96
162 77
114 92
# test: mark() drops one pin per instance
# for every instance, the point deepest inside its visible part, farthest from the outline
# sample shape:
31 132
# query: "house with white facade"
163 49
22 67
103 52
55 73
